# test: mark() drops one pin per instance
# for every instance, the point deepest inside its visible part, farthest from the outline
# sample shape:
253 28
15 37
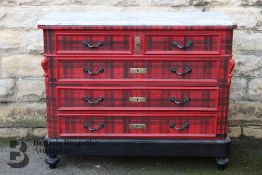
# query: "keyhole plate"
137 126
138 70
137 99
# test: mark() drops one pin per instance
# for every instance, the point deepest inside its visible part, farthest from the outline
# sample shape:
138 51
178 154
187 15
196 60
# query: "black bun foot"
222 163
52 161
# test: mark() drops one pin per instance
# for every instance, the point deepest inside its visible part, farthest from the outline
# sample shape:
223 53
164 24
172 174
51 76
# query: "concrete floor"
245 159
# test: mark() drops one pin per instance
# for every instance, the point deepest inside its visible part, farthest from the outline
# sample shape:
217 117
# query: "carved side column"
44 64
231 65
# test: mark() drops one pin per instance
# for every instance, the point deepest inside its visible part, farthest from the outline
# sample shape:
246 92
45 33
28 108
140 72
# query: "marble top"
137 19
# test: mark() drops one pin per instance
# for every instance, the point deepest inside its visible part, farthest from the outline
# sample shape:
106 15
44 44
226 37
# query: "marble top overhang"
136 19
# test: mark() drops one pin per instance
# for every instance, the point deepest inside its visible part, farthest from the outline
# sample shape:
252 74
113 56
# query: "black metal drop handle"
186 71
187 45
173 125
87 126
92 101
98 71
182 102
89 45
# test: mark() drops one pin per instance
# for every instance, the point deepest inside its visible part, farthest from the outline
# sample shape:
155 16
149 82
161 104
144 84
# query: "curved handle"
92 101
89 45
87 126
98 71
173 125
182 102
187 45
187 70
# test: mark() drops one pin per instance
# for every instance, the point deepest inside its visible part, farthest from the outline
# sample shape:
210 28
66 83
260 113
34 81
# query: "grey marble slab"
137 19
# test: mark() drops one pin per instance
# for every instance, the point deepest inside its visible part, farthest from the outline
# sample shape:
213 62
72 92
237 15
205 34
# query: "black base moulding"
219 149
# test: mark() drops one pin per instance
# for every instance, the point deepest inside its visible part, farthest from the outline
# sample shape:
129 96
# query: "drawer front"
93 43
81 125
164 69
137 98
183 43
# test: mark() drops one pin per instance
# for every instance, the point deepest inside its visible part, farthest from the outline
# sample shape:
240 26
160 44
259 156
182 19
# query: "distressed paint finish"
207 85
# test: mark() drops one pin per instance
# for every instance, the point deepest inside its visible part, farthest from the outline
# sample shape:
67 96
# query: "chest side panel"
49 64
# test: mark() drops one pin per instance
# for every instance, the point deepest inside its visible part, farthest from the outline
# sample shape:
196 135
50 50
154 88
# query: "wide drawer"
186 42
86 70
112 125
137 98
94 43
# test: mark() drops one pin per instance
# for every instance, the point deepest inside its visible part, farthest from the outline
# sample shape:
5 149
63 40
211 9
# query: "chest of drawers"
149 84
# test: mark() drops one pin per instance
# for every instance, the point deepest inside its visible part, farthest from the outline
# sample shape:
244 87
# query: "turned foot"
52 160
222 163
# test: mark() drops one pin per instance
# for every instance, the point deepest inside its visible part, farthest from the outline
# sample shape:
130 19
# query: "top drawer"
94 43
184 42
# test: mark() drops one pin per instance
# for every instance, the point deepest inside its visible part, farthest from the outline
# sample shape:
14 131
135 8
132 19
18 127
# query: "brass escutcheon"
137 44
137 126
138 70
137 99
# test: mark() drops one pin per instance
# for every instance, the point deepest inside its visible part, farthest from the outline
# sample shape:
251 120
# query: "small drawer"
142 125
138 98
94 43
187 42
87 70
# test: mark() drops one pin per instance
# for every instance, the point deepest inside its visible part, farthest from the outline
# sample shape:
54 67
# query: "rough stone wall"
22 93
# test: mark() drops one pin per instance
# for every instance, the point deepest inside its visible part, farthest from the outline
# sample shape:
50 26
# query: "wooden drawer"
94 43
137 98
141 125
181 69
184 42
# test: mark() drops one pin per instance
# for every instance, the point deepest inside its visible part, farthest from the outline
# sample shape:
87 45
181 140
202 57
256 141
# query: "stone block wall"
22 92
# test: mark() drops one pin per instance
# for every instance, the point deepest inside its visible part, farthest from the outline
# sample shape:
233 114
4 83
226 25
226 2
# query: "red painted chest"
138 80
